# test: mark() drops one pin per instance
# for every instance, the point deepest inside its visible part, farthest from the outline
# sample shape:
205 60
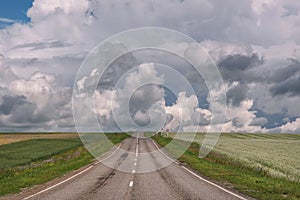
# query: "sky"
254 43
14 11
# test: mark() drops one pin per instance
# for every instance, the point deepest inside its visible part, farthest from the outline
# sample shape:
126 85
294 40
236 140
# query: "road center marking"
131 184
133 171
137 145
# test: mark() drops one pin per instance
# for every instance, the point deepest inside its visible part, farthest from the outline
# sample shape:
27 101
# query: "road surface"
102 182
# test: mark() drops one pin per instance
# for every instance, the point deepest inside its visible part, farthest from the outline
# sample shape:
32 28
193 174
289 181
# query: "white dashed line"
135 164
131 184
137 145
133 171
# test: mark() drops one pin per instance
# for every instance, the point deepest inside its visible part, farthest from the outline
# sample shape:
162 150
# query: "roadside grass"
12 180
148 134
33 162
235 175
116 138
97 144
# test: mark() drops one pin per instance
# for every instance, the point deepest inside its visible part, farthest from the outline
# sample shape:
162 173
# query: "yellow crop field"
13 137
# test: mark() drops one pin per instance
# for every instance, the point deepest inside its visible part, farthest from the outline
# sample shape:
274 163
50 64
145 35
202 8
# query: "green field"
21 153
278 155
264 166
31 162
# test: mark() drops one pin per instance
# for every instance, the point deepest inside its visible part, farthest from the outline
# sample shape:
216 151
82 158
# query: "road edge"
208 180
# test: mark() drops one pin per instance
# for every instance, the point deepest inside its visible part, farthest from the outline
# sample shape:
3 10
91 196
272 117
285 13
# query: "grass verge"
254 183
21 153
42 160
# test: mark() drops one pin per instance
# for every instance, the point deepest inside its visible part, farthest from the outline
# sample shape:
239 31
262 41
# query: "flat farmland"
31 159
277 155
6 138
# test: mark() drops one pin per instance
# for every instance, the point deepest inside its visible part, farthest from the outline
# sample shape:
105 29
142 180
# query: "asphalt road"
102 182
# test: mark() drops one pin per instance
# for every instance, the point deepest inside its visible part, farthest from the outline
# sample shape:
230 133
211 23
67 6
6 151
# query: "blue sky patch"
12 11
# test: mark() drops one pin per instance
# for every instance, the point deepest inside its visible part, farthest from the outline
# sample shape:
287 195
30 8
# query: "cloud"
237 94
143 98
6 74
260 121
291 127
44 8
9 103
286 119
140 91
261 59
141 118
185 113
236 67
105 103
133 103
42 45
285 72
285 80
7 20
271 84
40 101
139 101
289 86
242 119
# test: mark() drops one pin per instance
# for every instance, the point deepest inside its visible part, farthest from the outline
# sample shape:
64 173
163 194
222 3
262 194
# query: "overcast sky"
255 44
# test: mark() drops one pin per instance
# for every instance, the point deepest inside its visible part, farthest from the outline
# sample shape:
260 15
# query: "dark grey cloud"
115 70
241 69
260 121
144 97
286 80
24 116
21 111
284 73
237 123
9 103
237 94
236 67
142 100
289 87
42 45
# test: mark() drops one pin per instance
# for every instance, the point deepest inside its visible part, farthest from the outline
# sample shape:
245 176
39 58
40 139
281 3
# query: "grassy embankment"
31 162
263 166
